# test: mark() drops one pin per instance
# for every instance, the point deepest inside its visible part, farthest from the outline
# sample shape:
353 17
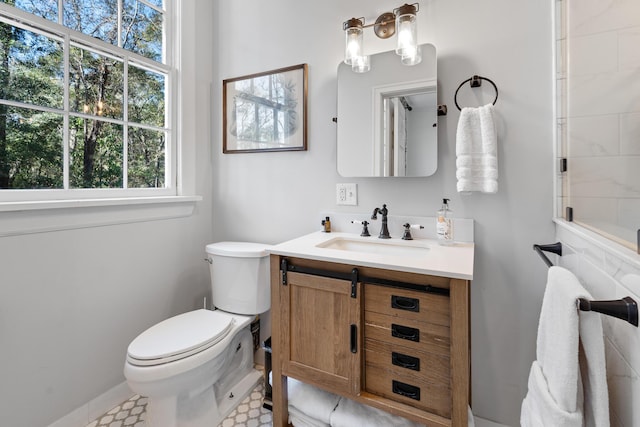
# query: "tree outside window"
81 114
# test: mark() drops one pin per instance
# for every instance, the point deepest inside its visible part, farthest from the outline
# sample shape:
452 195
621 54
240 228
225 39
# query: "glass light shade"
412 58
407 34
353 44
361 64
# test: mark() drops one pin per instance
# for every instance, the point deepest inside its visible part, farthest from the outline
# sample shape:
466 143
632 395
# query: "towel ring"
475 81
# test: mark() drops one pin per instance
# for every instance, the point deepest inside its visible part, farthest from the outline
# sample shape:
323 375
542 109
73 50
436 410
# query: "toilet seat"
179 337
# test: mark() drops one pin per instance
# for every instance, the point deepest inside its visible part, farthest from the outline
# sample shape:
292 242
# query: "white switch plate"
347 194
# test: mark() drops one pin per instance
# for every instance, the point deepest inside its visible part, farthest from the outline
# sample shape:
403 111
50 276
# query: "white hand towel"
477 150
558 394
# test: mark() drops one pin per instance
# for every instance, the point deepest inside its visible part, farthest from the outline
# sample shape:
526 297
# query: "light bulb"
361 64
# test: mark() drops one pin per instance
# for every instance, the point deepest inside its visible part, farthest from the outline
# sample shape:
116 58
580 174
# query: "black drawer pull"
405 303
405 361
405 332
406 390
354 339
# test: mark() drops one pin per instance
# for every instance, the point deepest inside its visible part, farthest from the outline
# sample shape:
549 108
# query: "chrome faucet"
384 231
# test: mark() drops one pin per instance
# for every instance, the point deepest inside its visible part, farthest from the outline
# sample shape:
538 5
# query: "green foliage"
32 72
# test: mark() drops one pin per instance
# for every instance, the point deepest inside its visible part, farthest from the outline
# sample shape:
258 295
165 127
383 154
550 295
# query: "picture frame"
265 111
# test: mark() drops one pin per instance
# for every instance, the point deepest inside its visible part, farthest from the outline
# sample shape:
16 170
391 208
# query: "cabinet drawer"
430 396
407 304
420 336
395 359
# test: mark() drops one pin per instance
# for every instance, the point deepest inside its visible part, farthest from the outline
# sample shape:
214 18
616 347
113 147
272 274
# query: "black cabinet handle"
405 303
354 339
406 390
405 361
405 332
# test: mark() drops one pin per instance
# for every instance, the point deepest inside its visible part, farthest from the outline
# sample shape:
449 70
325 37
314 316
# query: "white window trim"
21 217
41 217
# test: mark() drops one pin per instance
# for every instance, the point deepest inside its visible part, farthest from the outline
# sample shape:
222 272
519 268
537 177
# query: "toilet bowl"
195 367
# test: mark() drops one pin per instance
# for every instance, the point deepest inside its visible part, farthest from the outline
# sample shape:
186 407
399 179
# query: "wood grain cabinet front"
321 320
397 341
407 344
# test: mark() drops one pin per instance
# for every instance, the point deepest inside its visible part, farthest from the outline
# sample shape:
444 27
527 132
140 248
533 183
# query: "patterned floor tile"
132 413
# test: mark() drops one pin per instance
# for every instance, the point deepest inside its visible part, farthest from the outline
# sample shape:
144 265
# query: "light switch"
347 194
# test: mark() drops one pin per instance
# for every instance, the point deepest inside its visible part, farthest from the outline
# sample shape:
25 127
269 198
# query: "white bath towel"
349 413
567 381
298 418
311 401
477 151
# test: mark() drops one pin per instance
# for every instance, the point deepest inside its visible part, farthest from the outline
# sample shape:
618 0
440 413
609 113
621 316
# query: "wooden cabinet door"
322 330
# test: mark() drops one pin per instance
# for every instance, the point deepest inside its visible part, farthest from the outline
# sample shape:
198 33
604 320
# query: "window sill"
17 218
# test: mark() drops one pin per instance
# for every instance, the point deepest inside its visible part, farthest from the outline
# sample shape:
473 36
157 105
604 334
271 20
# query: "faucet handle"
365 229
407 232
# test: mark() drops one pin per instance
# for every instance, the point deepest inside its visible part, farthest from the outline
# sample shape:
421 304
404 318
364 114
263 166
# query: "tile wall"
598 110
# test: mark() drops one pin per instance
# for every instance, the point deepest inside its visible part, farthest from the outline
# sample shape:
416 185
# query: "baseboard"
481 422
96 407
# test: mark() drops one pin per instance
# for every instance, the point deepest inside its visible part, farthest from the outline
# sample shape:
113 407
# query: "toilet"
195 367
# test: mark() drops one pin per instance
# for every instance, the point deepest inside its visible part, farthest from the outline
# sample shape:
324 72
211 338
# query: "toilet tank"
240 276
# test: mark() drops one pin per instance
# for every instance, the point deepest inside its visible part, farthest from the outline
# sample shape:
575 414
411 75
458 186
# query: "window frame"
12 199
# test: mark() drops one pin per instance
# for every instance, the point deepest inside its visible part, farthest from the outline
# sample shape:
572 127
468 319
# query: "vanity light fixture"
402 20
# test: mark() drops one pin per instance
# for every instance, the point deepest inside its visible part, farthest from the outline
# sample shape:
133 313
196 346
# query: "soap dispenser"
444 225
326 224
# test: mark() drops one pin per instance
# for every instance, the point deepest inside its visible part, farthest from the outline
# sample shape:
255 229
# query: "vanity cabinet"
394 340
321 319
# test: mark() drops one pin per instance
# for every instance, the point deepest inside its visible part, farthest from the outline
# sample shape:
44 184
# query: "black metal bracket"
555 248
442 110
625 308
569 214
563 165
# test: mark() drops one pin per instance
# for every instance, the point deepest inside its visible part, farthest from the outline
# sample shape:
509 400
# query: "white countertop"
455 261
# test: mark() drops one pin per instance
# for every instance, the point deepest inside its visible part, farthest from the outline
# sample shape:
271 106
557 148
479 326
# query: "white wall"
71 301
272 197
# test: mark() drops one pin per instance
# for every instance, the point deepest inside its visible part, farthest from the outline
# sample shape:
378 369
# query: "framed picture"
265 111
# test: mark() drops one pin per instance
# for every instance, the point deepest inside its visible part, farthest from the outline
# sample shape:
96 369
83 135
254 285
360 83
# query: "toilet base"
239 392
206 410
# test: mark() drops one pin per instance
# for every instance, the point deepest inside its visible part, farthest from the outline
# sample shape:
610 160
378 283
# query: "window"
85 99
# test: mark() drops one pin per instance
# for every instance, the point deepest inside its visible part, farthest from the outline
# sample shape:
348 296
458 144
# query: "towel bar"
625 308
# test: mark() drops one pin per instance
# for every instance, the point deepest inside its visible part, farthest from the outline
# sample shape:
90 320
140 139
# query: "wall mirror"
387 118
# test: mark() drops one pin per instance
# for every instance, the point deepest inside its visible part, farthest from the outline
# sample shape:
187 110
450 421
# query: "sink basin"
410 248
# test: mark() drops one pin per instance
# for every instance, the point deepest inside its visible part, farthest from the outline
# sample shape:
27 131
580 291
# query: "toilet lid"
179 336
